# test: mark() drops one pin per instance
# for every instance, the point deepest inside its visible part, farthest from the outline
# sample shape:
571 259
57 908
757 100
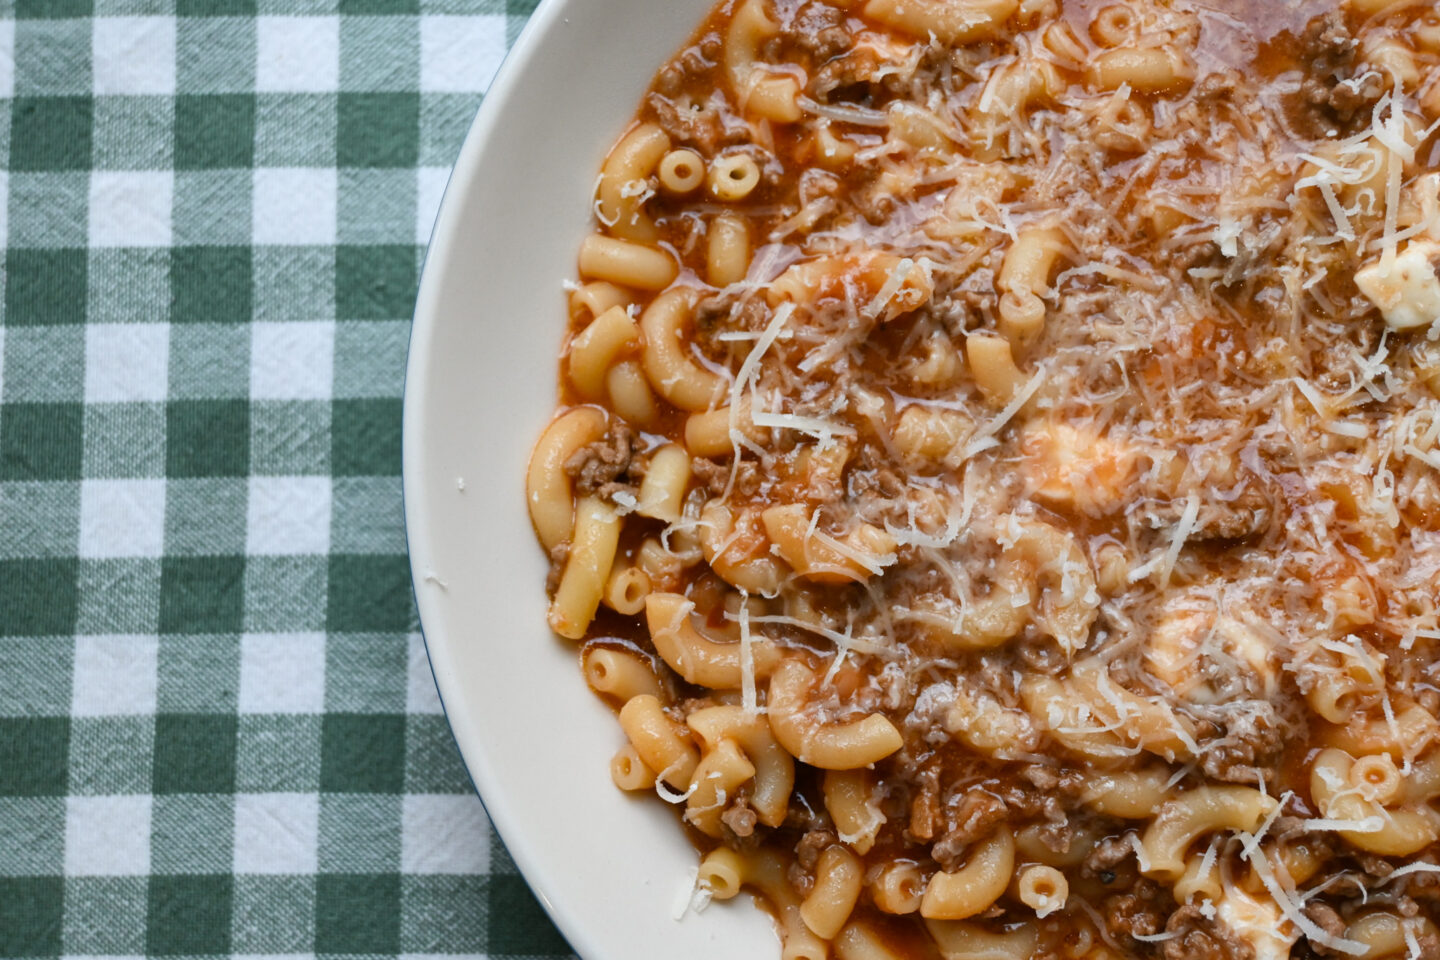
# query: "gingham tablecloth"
218 731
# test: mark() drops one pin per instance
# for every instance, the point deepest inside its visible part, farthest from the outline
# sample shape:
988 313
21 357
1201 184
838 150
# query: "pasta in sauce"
997 476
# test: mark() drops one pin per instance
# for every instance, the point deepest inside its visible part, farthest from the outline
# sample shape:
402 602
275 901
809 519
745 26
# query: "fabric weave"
218 731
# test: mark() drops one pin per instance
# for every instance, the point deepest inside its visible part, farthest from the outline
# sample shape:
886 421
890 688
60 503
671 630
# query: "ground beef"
596 466
970 819
1107 855
1248 745
558 555
1202 939
846 79
1325 917
808 850
1329 97
1133 914
740 818
819 30
709 474
687 124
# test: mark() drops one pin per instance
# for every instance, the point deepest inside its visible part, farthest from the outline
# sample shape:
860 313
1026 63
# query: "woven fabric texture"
218 731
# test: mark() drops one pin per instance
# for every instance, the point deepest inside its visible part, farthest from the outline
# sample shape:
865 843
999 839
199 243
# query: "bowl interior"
480 385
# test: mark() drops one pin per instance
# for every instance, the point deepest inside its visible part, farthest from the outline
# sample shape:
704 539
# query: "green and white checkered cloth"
218 730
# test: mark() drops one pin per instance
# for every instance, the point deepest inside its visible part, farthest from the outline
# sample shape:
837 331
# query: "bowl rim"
447 226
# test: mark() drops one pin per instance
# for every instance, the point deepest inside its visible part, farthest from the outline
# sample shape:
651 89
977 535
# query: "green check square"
110 756
38 597
35 676
105 916
285 593
34 752
362 753
134 133
290 438
365 437
207 438
215 53
357 913
375 282
194 753
278 753
52 9
370 594
370 358
378 129
213 207
42 520
518 924
294 129
211 362
215 8
49 209
432 761
32 836
367 515
52 57
129 285
51 133
135 8
214 131
376 207
444 120
192 833
32 916
41 441
274 915
359 833
379 6
119 596
198 673
444 914
44 364
379 53
211 284
201 594
517 12
45 286
205 516
189 915
294 283
124 440
365 672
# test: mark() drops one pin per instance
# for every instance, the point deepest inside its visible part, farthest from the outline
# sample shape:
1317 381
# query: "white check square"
277 833
126 362
420 693
107 836
288 516
114 676
282 673
134 55
294 206
297 54
122 518
460 54
131 208
430 190
444 833
7 59
292 361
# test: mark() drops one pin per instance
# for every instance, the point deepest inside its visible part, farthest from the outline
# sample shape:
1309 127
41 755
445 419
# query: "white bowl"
480 384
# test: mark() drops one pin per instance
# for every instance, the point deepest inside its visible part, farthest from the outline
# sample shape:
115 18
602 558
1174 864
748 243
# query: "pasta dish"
997 473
